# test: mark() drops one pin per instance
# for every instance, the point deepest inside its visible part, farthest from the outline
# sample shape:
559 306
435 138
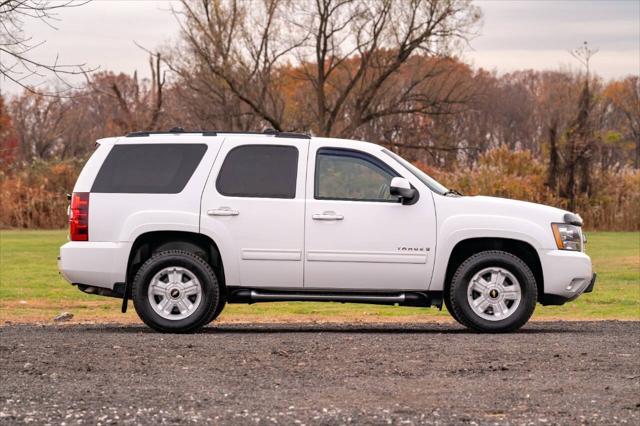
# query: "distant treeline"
375 70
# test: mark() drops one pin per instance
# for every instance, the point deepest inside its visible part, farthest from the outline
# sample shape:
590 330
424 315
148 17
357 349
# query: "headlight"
568 237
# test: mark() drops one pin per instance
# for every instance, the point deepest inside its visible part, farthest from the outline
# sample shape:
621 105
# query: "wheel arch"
468 247
149 243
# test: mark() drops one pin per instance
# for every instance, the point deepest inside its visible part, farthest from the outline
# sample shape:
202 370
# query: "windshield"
433 184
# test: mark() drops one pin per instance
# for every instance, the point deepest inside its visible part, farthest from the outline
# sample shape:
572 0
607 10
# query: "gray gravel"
549 373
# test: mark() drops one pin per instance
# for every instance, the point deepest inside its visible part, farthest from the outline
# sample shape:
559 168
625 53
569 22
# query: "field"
32 291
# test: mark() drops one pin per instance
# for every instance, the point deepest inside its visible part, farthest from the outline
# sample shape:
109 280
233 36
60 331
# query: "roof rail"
179 130
292 135
173 131
279 134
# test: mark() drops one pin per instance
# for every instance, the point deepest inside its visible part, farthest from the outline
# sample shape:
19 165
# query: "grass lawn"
32 290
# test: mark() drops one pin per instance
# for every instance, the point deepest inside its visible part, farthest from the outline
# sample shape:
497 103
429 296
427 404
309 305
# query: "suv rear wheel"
176 291
493 291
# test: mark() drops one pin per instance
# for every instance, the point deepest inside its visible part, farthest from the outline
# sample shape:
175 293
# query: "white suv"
184 223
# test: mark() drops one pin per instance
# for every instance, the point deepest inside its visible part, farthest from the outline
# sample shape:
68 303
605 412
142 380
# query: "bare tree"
16 61
554 96
583 55
447 132
136 104
358 49
348 56
580 135
240 45
39 123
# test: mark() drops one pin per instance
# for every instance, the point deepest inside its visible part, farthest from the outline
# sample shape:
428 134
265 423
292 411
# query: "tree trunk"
554 159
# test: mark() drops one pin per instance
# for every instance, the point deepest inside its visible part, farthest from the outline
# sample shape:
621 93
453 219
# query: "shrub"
500 172
34 196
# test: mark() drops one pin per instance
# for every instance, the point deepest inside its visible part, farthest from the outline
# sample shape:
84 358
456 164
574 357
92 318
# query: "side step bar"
423 299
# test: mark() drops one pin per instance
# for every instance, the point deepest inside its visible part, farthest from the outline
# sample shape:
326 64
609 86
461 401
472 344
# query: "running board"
423 299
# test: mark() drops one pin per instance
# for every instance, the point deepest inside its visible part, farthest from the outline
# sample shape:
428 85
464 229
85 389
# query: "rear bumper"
98 264
566 274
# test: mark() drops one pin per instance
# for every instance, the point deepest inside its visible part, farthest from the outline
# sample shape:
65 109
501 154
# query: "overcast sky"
515 35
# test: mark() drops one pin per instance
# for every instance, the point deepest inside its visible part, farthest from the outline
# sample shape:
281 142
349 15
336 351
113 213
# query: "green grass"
616 260
31 288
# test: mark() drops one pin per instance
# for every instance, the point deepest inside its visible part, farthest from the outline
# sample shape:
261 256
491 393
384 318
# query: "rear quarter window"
148 168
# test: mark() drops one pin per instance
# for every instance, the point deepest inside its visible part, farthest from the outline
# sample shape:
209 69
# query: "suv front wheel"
493 291
175 291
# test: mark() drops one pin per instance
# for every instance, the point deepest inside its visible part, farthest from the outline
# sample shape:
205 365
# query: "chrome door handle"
223 211
327 216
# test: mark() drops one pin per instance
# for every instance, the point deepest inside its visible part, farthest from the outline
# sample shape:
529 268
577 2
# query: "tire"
175 291
447 304
493 291
216 313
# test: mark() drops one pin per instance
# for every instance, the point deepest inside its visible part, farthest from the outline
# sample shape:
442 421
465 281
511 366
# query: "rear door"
253 206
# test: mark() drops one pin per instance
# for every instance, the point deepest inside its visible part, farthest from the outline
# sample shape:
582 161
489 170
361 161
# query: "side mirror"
400 187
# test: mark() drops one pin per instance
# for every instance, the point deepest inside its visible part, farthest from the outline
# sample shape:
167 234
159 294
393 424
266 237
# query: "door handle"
223 211
327 216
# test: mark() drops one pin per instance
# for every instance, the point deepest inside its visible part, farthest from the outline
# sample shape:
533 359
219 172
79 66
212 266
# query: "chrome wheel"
494 293
174 293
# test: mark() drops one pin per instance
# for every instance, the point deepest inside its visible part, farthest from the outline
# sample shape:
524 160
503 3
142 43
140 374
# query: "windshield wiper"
452 192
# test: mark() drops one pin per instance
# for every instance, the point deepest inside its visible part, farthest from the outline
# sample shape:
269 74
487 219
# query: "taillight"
79 217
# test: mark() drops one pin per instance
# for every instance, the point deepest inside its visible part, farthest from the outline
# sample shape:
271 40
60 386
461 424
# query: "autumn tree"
135 104
624 98
8 141
52 127
39 123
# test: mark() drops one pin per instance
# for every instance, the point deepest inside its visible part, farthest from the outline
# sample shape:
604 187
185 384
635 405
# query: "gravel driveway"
550 372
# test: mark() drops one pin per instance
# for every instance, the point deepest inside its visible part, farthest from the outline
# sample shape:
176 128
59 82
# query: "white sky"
516 34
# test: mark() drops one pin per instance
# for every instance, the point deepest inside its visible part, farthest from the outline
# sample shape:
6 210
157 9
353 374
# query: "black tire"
447 304
216 313
210 298
457 295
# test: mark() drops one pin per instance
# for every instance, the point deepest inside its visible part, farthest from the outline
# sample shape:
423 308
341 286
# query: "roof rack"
179 130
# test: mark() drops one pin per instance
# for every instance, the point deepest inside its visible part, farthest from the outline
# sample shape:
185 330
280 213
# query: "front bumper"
592 284
566 274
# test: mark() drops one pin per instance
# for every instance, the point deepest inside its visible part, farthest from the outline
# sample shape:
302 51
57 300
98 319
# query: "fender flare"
454 232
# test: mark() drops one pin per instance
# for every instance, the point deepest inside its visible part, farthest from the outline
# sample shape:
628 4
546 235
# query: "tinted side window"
266 171
352 175
148 168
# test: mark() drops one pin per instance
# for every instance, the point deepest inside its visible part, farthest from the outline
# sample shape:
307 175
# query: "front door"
253 206
359 236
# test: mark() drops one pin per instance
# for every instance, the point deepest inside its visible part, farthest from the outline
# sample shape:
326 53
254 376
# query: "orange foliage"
35 196
502 172
8 139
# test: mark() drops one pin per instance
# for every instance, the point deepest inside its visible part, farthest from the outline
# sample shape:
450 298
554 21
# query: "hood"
481 205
